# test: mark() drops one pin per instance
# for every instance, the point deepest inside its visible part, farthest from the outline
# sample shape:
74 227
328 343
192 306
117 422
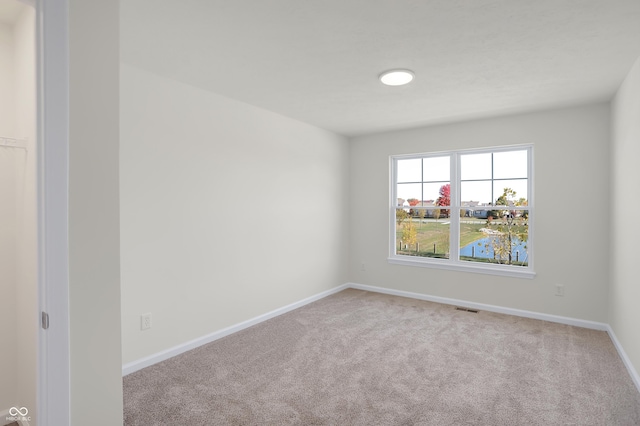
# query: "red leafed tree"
445 198
413 202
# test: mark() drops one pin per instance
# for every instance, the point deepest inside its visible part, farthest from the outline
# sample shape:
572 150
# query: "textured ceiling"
318 61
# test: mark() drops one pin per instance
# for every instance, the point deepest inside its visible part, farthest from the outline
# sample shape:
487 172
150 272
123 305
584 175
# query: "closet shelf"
13 142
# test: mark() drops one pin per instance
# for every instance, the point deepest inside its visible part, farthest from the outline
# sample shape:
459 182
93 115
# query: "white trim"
177 350
453 262
496 148
434 207
54 382
625 359
478 268
454 211
482 307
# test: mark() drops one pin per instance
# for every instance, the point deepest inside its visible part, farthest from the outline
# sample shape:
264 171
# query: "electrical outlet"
559 290
145 321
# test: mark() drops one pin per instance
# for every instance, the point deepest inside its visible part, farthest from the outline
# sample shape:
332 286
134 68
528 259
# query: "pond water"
477 249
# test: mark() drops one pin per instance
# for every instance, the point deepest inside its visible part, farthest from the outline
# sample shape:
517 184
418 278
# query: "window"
465 210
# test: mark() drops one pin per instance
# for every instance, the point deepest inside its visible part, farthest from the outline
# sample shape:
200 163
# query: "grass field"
433 237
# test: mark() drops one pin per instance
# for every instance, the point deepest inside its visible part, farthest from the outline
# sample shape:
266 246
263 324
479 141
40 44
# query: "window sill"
451 265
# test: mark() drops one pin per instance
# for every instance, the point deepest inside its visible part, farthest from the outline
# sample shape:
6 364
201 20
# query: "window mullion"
421 180
493 196
393 203
531 203
454 212
416 243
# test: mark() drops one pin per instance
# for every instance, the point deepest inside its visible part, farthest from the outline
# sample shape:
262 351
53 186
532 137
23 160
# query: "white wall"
624 315
94 245
18 270
227 211
7 95
8 222
8 273
571 243
26 273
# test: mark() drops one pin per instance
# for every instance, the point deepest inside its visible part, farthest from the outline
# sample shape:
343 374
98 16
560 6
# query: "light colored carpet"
362 358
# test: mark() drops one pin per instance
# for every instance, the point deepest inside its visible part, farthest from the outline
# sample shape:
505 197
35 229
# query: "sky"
429 174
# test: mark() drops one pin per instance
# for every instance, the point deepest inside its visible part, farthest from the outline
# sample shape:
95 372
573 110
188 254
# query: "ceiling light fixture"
396 77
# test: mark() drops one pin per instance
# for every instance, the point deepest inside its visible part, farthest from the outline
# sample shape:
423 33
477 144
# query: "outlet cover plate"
145 321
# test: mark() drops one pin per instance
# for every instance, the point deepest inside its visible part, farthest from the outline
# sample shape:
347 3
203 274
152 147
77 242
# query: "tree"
507 198
413 202
511 230
409 233
401 216
523 202
445 198
421 215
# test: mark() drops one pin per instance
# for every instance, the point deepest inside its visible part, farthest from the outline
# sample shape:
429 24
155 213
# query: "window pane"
476 191
410 170
517 185
407 191
420 236
503 241
436 169
475 166
509 165
432 192
489 231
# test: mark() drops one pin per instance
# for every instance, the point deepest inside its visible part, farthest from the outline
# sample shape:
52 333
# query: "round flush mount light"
396 77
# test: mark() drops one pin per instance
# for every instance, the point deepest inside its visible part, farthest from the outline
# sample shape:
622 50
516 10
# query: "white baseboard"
4 415
176 350
482 307
625 359
515 312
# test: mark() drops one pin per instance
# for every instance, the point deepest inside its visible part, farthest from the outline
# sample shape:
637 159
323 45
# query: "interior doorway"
42 370
18 214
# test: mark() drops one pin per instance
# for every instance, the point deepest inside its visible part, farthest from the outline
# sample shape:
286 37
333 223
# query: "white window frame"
454 262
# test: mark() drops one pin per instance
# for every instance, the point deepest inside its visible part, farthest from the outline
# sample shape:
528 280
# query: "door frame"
52 59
